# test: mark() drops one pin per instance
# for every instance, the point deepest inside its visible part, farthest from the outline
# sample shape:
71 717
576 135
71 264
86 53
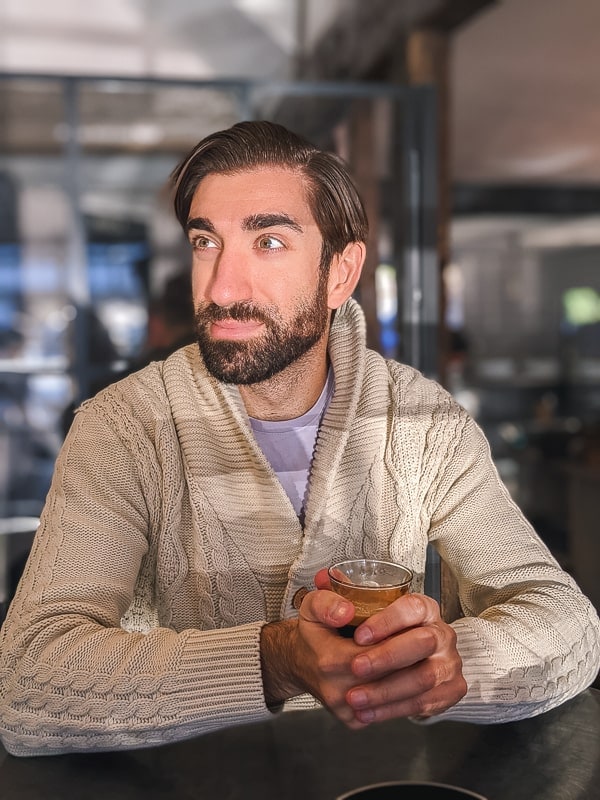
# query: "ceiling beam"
468 199
370 34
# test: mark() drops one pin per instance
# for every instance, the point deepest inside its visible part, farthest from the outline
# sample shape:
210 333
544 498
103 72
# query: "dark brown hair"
332 196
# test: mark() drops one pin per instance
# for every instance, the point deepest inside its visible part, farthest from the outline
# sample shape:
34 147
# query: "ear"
344 273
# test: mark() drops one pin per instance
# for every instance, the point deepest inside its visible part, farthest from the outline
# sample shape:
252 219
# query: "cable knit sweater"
167 542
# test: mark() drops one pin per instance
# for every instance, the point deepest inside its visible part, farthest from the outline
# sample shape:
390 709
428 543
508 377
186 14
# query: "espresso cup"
369 584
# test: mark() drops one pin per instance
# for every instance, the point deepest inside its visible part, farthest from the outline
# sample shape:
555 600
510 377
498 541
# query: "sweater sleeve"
529 639
71 678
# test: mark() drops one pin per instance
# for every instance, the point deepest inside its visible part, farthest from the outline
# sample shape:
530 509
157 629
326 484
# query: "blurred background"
471 127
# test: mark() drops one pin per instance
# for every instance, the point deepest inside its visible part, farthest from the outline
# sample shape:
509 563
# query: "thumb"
326 608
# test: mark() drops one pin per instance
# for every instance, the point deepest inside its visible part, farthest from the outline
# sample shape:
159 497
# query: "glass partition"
35 306
88 240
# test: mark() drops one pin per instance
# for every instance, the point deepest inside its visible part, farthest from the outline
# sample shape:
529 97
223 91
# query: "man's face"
259 292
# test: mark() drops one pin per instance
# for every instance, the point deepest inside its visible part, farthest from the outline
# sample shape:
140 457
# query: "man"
196 501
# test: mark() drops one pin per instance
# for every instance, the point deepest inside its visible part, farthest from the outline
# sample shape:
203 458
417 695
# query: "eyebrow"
200 224
258 222
255 222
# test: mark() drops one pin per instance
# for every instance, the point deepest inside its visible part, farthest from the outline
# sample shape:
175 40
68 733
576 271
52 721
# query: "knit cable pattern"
167 542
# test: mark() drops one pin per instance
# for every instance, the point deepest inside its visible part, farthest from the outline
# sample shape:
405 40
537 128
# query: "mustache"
240 312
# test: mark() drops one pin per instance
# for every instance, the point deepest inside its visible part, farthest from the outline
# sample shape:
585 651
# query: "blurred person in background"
170 326
170 321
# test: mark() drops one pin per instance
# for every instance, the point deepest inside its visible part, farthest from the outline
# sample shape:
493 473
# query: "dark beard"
256 360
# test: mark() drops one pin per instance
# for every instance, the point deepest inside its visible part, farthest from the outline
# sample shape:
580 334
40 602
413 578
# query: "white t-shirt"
289 446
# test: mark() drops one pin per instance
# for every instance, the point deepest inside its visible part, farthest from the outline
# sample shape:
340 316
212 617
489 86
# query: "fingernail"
363 635
340 611
368 715
358 698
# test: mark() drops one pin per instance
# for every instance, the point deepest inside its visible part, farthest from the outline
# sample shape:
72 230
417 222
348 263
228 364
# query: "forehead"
264 189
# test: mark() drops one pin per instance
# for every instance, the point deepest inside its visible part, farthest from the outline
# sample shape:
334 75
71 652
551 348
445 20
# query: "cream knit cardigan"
167 541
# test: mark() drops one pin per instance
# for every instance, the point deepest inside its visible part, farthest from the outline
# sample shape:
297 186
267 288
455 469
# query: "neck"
293 391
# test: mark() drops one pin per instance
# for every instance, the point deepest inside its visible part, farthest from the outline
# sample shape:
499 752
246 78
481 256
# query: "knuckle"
439 638
453 672
460 689
418 603
328 665
421 707
429 639
427 677
450 637
424 608
317 606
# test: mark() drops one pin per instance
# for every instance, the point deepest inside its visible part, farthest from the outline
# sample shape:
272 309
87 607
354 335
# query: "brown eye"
269 243
202 243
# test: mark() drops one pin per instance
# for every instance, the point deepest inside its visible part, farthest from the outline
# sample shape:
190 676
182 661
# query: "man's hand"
309 655
402 662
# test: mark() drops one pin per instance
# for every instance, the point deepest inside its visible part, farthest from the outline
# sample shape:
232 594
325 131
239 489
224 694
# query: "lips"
234 328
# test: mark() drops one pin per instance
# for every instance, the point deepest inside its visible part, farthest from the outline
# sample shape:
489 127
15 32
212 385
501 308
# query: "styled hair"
331 194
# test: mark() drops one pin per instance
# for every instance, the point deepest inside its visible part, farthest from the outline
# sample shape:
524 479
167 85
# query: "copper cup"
369 584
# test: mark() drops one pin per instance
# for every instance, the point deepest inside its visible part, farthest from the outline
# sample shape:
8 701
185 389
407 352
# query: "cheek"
199 284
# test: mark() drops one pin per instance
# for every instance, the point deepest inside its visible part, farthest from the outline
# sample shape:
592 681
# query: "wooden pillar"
427 63
362 157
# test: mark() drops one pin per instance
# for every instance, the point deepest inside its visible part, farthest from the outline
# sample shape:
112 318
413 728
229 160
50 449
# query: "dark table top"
309 755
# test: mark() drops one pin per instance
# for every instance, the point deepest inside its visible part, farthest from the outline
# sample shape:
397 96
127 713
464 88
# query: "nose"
229 280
